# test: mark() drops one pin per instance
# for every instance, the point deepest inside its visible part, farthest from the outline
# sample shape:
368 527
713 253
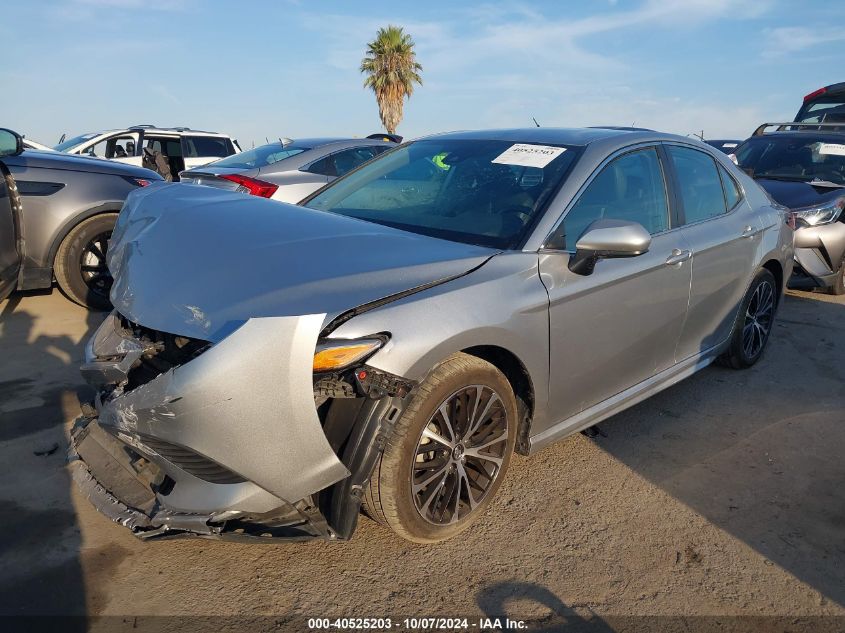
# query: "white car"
183 147
30 144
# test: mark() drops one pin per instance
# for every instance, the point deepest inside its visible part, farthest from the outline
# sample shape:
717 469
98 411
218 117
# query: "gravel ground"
722 496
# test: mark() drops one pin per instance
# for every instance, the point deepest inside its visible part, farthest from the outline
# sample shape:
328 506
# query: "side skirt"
623 400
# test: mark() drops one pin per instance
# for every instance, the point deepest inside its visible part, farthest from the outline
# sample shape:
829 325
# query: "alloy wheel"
758 319
95 272
459 454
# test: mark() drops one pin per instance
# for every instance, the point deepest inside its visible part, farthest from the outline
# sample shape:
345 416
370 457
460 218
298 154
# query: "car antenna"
62 140
535 121
267 140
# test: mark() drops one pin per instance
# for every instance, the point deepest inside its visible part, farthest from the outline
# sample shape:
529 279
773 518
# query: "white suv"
183 147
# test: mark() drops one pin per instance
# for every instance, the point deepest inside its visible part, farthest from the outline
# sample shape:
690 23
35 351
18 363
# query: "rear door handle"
747 232
678 257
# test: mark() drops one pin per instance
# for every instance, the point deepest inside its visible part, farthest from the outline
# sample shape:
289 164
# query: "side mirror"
11 143
607 239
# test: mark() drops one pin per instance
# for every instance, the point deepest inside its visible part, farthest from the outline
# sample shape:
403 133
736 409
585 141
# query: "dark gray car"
268 368
10 255
287 170
67 209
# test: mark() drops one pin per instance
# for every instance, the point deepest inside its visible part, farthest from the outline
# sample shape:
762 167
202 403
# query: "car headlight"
821 214
336 355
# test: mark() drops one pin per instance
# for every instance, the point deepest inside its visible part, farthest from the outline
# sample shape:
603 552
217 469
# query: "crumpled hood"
796 195
199 262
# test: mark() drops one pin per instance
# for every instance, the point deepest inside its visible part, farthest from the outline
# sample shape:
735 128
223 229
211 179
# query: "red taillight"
814 94
143 182
252 186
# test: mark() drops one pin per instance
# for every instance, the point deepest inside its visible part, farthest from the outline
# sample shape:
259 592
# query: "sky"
264 69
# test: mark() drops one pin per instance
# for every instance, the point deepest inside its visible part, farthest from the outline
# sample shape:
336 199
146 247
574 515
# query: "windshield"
73 142
260 156
791 158
473 191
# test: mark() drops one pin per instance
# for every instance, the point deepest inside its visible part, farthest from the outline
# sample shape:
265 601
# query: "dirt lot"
724 495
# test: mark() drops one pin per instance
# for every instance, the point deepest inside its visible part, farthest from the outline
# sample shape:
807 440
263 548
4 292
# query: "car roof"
557 136
157 130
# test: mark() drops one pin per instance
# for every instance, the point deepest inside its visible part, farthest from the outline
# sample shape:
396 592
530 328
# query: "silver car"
391 343
287 170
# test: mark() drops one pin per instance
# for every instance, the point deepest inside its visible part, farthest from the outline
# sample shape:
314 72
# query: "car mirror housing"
11 143
608 239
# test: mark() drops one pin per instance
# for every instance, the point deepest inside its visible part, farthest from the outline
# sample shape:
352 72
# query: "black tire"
462 384
80 266
755 319
838 288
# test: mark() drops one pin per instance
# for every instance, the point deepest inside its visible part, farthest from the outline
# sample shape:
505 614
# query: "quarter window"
732 193
699 183
629 188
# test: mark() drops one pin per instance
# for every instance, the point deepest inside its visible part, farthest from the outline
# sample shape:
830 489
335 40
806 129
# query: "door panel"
618 326
723 248
614 328
10 258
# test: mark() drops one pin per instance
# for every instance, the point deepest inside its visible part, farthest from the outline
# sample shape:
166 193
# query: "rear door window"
699 184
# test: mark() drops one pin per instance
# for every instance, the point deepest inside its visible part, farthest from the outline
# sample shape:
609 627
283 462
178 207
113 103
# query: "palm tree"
392 69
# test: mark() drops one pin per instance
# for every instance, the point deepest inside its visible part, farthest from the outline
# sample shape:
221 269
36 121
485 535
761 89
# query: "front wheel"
80 265
447 454
753 323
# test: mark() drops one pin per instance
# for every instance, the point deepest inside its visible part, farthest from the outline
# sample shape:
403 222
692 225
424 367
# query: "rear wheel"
838 288
80 265
447 454
753 323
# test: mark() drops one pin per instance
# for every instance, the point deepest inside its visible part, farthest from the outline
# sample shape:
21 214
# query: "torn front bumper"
819 252
224 443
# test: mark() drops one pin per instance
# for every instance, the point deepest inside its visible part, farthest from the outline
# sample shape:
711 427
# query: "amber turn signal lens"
333 357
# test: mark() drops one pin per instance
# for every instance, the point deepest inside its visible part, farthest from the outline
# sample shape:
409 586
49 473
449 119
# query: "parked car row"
68 198
426 310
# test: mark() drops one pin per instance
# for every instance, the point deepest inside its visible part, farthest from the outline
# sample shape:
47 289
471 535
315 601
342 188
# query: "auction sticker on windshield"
526 155
836 149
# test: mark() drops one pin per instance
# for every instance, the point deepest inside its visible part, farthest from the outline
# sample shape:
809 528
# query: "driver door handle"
678 256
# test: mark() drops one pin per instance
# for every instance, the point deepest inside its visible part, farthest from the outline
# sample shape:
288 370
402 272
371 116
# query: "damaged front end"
245 437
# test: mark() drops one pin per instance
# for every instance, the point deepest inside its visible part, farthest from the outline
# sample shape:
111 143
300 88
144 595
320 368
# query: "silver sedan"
287 170
392 342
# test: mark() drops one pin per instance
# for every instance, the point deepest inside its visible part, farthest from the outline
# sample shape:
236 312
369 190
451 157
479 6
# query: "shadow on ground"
39 392
766 469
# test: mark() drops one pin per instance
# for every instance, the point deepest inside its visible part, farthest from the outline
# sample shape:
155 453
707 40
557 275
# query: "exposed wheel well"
774 267
517 375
